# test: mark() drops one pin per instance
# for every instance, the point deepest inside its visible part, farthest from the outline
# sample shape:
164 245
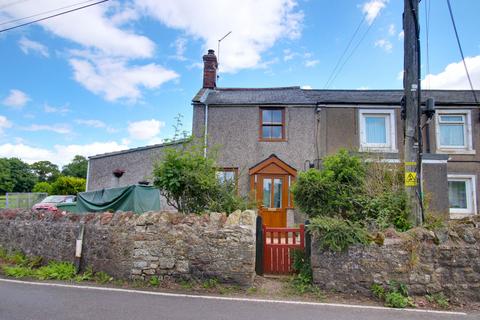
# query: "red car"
50 202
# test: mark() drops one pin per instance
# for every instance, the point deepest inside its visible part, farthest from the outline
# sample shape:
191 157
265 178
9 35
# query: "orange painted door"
272 199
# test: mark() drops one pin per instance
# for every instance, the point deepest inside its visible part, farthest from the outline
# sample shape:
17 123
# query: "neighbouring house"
267 135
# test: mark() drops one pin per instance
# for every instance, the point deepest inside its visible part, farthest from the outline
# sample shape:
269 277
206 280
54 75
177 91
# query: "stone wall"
447 261
132 246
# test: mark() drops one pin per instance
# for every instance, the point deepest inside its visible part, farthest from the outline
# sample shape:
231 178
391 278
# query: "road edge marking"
235 299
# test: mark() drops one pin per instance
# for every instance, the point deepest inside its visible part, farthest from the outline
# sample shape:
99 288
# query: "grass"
23 200
439 299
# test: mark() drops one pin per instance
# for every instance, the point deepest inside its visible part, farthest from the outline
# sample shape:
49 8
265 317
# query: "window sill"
456 151
378 150
454 215
272 140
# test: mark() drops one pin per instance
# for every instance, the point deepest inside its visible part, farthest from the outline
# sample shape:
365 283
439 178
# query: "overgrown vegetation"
18 265
350 195
394 295
337 234
439 299
189 182
302 281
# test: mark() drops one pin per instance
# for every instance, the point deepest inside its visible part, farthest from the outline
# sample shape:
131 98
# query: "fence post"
259 247
308 241
6 200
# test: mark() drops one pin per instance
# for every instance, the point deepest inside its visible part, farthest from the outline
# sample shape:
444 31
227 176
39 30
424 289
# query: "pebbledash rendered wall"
447 260
168 245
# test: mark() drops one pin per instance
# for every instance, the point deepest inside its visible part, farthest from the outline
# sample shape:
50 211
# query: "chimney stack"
210 66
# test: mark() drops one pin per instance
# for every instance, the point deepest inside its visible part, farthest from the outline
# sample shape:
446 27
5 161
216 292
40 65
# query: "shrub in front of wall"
332 190
337 234
186 178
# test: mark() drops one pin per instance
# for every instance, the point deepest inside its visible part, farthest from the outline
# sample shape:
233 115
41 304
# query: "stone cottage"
268 135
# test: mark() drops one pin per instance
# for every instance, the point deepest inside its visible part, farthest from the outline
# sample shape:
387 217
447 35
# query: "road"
44 301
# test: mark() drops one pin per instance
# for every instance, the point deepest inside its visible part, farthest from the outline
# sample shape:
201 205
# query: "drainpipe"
88 174
203 100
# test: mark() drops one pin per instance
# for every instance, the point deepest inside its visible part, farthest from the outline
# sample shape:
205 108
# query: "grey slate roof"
298 96
153 146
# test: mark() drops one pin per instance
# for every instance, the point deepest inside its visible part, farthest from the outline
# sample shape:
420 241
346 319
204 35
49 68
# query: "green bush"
210 283
439 299
68 185
330 191
396 300
186 178
386 210
337 234
56 271
43 187
87 275
378 291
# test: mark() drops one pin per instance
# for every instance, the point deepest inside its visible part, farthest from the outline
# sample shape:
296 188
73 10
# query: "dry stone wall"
132 246
447 260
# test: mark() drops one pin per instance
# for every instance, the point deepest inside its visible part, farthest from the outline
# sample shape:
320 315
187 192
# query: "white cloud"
16 99
96 124
4 124
180 46
145 130
58 110
103 62
306 87
391 29
288 55
60 154
56 128
256 25
27 45
311 63
115 79
384 44
401 35
92 27
454 76
400 75
372 9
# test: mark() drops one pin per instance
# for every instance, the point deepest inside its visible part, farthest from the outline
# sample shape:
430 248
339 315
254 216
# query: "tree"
76 168
186 178
43 187
45 171
6 182
21 176
68 186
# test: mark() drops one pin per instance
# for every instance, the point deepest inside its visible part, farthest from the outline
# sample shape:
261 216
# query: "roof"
153 146
298 96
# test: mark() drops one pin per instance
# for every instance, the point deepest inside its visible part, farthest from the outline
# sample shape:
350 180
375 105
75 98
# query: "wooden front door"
270 182
272 198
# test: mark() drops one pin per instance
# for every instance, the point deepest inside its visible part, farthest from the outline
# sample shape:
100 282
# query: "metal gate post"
259 247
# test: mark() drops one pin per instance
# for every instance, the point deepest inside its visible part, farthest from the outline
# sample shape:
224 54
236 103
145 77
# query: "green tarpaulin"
136 198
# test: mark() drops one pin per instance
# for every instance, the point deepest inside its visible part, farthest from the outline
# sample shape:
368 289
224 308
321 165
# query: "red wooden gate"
278 246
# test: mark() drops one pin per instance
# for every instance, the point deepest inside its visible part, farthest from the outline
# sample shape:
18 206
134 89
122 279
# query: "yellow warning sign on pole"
410 179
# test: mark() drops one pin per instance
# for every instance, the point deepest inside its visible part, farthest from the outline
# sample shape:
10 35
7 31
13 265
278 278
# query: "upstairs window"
377 130
454 134
272 124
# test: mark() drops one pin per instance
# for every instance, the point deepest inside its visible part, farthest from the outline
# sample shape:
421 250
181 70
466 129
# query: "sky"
116 75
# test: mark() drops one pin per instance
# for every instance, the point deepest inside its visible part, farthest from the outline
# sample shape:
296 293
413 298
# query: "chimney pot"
210 66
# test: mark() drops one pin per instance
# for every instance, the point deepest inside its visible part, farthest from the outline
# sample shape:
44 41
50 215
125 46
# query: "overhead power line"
45 12
51 16
461 52
344 52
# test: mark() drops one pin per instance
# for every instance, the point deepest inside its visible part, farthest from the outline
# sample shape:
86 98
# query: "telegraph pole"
411 85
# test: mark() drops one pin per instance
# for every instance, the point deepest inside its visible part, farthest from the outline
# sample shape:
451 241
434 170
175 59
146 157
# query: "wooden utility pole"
411 85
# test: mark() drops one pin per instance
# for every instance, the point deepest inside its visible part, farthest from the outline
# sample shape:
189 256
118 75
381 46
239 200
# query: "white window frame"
390 127
471 190
467 148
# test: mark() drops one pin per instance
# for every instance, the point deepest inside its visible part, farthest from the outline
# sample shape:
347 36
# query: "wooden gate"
278 247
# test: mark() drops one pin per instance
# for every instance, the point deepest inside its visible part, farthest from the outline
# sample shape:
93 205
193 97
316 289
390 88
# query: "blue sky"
114 76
